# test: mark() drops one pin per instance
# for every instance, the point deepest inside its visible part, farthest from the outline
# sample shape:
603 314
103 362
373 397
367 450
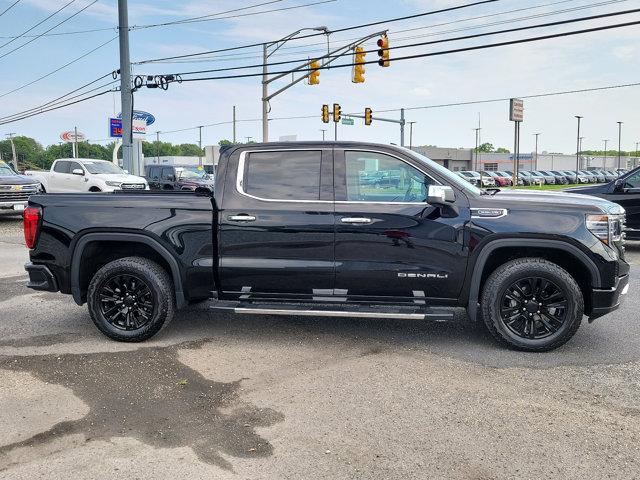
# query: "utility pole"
636 159
619 143
323 130
401 127
265 95
13 150
158 147
604 157
475 159
126 95
578 148
536 163
200 145
234 124
248 139
411 135
75 142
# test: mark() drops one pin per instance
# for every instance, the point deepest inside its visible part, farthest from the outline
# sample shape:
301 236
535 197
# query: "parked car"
15 189
179 177
600 177
581 177
530 179
558 178
501 181
285 234
611 175
569 178
487 181
625 191
621 171
86 175
509 175
548 179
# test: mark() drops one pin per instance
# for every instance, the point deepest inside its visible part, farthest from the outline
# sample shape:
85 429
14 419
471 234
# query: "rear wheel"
532 304
131 299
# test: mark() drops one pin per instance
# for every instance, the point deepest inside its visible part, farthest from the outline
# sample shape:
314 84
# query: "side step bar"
352 311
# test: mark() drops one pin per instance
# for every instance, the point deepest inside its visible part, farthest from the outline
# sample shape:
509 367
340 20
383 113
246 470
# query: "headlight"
608 228
114 184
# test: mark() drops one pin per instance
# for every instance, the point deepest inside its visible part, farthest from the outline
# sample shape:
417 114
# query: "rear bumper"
607 300
41 278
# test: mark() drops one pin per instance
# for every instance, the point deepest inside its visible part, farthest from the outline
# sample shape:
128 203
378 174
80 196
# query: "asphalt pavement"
260 397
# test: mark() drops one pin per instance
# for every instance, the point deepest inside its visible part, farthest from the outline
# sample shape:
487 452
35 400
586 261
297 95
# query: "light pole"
411 135
265 73
13 151
604 156
200 145
158 146
323 130
248 139
619 142
536 164
476 155
636 159
578 148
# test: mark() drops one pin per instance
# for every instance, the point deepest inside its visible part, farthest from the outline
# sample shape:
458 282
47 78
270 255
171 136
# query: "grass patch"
545 187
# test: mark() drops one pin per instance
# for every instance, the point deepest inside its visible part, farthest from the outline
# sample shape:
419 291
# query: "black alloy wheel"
126 302
533 307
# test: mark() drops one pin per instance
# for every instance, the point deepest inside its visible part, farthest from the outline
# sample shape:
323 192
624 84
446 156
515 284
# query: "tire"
513 319
147 283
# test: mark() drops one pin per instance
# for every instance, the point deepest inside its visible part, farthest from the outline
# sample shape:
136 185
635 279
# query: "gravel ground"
259 397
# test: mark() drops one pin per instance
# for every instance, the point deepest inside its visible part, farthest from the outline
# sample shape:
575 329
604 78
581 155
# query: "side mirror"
440 195
77 171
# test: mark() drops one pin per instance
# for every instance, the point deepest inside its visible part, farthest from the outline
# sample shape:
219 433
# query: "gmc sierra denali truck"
297 229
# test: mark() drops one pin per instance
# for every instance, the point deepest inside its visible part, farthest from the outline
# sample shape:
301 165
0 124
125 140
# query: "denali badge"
423 275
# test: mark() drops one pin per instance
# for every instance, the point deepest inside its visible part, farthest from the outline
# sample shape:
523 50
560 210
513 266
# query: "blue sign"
115 127
140 115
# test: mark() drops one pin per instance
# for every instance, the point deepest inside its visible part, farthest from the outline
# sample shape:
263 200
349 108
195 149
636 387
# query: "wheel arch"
135 244
565 254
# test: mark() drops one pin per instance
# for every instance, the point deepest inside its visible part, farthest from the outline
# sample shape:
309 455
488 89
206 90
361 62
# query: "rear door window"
61 167
167 173
290 175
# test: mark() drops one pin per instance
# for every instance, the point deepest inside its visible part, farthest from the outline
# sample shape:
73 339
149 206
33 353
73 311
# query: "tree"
225 143
502 150
486 148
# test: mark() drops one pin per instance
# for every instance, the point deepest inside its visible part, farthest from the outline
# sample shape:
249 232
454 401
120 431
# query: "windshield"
103 167
525 173
192 172
6 169
450 177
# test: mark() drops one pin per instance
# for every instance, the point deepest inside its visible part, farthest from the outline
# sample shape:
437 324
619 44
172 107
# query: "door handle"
357 220
242 218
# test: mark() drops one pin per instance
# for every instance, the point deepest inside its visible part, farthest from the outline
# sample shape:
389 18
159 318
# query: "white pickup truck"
86 175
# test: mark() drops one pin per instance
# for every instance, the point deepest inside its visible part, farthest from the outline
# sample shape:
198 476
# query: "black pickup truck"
296 229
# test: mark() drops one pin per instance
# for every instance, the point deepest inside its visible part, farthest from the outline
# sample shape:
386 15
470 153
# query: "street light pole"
604 157
411 135
265 74
200 145
475 167
636 159
578 148
536 164
619 142
323 130
158 146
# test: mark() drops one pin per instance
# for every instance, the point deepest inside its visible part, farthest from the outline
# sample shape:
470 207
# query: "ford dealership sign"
140 115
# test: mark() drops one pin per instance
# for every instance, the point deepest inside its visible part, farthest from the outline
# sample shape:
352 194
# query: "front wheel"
131 299
532 304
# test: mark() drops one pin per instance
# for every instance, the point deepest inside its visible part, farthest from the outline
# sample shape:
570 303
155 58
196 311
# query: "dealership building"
457 159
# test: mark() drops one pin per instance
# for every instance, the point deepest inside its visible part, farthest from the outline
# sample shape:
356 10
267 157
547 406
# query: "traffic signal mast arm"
327 60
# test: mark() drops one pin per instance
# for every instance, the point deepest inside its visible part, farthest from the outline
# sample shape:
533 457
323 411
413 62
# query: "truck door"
58 180
628 196
168 178
390 244
75 182
276 224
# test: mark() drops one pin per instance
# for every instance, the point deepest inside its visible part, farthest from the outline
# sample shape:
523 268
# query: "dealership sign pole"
516 115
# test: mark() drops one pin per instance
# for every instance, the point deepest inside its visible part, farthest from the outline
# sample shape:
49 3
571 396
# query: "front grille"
132 186
7 194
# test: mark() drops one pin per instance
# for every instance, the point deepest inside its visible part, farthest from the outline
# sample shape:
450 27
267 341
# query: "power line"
47 31
86 54
430 54
235 56
354 27
37 24
432 42
196 20
9 7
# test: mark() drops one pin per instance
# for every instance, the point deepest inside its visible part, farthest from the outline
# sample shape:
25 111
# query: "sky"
591 60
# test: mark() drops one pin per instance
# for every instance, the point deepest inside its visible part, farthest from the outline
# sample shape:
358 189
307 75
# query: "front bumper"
607 300
41 278
18 205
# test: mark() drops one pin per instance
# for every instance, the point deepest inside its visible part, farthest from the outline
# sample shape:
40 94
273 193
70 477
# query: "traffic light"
383 53
337 111
368 116
325 113
358 65
314 77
